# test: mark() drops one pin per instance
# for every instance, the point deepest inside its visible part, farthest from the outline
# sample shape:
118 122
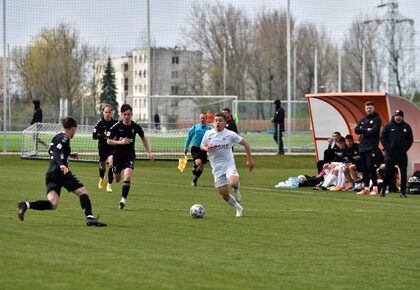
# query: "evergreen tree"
109 95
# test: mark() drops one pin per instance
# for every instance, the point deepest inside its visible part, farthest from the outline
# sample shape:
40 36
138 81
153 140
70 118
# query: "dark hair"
220 114
337 133
349 137
36 104
369 103
68 123
226 109
126 107
341 139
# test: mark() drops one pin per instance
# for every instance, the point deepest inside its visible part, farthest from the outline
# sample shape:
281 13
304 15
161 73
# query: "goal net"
178 112
37 138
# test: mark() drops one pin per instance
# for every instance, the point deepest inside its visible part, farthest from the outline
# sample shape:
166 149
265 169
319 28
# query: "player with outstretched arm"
123 136
59 175
218 143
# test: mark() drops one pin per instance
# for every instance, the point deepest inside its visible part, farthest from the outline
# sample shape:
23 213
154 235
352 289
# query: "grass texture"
287 238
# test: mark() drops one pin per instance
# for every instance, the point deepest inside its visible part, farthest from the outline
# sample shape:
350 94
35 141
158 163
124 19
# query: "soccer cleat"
239 211
121 205
382 193
108 188
336 188
194 182
21 210
101 183
403 195
374 191
238 196
363 191
94 222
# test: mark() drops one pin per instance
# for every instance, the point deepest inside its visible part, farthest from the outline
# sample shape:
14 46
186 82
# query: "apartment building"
172 71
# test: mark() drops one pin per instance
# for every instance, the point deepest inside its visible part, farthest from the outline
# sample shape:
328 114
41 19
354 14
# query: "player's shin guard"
125 189
86 205
198 173
110 176
102 173
40 205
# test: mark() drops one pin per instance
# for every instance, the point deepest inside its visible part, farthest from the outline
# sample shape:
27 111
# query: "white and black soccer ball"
197 211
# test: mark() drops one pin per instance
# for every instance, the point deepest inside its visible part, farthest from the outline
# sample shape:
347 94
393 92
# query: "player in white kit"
218 143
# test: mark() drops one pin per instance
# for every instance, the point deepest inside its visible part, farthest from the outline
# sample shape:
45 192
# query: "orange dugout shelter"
331 112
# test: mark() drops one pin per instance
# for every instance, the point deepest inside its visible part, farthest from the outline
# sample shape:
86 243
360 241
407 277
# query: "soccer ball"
197 211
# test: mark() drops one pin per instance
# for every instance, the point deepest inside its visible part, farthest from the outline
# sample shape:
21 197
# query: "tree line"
241 55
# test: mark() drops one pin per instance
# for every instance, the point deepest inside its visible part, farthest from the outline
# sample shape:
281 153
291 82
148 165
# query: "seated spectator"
329 152
334 171
353 165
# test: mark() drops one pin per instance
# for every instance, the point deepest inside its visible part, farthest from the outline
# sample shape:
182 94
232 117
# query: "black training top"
120 131
397 139
59 151
101 130
369 139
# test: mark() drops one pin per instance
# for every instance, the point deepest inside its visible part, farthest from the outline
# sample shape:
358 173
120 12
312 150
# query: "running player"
218 143
123 136
105 150
200 157
59 175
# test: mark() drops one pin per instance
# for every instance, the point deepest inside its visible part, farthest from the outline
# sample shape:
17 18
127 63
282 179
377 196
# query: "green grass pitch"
287 239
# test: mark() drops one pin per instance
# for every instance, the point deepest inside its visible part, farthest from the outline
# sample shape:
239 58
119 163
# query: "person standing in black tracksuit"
278 121
369 128
37 118
397 138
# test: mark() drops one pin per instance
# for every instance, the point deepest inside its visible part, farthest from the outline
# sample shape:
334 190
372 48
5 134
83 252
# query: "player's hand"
124 141
185 151
75 155
250 164
64 169
210 148
151 156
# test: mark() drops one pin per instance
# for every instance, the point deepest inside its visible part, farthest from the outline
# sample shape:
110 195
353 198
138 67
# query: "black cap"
399 113
277 102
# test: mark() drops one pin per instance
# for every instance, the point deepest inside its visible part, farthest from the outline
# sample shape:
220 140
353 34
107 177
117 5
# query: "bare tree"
216 30
308 40
362 36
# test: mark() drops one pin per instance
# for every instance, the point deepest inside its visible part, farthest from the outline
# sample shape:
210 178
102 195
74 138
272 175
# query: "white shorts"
221 176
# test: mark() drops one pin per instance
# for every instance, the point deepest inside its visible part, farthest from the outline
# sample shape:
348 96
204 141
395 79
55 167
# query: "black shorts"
119 164
55 180
197 153
105 152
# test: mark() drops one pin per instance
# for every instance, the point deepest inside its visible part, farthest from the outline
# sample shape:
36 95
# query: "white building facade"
172 70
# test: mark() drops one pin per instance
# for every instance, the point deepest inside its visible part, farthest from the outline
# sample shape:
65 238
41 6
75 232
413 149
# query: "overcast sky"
120 25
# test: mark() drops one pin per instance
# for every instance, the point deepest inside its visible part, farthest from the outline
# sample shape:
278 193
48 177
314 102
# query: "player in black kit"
58 175
123 136
105 150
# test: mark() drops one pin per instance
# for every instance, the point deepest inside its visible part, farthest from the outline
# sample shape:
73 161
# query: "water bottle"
294 182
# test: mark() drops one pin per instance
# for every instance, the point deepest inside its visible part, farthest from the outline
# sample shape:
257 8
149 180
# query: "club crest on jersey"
371 122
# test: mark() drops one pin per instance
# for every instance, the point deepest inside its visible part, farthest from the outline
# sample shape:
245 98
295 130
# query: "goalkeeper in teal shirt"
199 156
